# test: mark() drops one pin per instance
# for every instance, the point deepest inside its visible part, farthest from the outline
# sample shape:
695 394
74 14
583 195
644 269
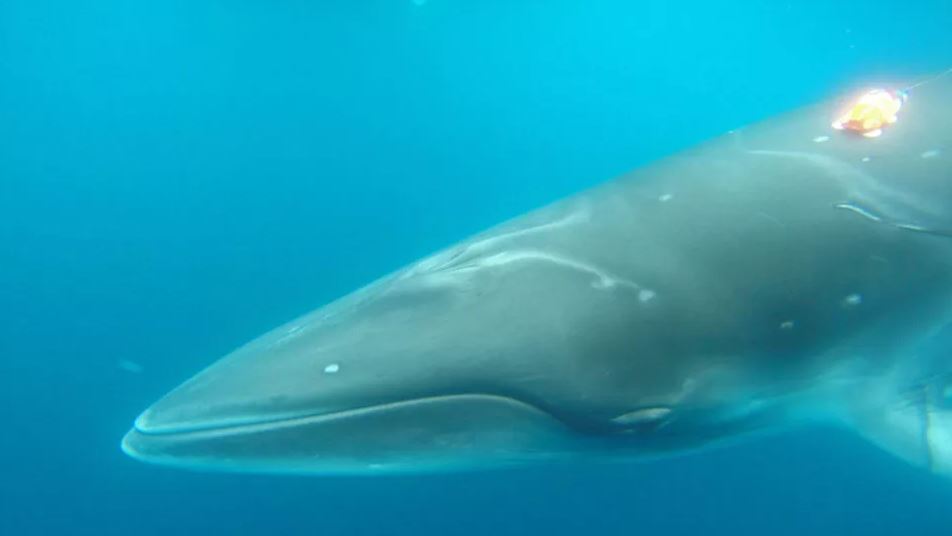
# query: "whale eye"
644 419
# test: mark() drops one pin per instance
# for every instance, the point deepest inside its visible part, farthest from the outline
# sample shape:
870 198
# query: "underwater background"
178 177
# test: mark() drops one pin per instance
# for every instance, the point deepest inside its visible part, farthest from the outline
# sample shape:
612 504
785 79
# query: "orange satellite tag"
874 110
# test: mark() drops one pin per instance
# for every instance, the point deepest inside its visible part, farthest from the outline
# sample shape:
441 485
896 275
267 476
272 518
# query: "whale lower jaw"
421 435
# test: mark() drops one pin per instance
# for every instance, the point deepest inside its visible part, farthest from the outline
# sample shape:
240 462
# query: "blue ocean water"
178 177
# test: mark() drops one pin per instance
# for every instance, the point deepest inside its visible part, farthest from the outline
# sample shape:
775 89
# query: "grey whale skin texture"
784 273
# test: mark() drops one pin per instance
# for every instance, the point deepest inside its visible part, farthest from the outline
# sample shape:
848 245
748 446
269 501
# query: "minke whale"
784 274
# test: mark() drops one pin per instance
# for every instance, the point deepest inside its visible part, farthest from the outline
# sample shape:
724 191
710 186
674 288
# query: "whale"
783 274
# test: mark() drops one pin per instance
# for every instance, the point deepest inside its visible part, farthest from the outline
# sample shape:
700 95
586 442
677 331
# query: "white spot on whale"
646 295
931 153
853 300
665 198
332 368
787 325
821 139
866 159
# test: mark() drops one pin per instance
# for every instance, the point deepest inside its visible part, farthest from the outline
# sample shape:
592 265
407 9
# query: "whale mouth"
271 422
419 435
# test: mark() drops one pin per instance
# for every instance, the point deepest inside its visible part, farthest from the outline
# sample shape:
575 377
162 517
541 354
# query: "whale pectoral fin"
917 427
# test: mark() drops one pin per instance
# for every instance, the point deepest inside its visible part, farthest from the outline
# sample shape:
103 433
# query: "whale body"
783 274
